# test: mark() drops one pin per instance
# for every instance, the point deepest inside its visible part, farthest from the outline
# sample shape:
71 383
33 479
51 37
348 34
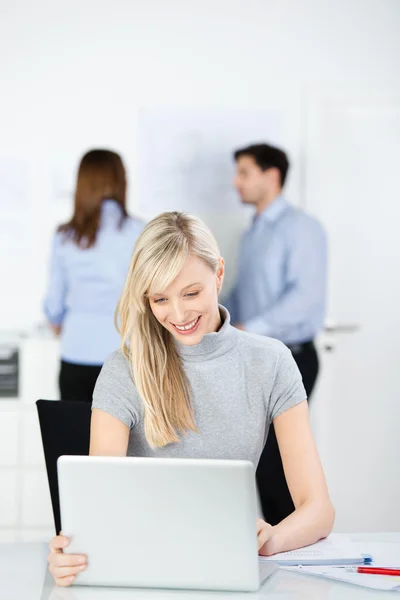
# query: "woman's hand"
64 567
264 535
56 329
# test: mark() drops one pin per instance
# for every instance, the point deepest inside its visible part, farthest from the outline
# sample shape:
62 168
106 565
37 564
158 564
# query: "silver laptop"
162 523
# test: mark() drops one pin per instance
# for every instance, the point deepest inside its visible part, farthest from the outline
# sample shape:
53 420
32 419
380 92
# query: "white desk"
24 576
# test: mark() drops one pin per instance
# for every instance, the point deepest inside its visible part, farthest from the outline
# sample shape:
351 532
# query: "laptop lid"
170 523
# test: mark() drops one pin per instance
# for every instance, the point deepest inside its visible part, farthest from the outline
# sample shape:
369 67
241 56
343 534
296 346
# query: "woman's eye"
192 294
158 300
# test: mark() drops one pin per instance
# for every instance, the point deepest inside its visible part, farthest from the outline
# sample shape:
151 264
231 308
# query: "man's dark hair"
266 156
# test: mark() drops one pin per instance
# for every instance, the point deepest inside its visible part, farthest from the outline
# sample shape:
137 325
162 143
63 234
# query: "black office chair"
65 429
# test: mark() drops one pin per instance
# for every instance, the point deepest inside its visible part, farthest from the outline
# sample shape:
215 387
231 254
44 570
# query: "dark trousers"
275 498
77 381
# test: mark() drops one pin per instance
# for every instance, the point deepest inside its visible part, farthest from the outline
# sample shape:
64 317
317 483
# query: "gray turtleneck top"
240 382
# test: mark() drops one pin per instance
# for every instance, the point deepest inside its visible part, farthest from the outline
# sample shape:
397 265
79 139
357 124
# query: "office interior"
321 79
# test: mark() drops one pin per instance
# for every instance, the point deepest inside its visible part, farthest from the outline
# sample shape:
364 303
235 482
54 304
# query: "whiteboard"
185 156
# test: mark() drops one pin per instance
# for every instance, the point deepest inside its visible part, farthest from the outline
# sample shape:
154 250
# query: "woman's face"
188 308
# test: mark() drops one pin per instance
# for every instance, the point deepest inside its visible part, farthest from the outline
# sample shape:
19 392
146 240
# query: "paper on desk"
324 552
375 582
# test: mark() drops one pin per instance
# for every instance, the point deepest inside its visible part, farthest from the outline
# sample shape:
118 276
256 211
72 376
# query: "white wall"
77 71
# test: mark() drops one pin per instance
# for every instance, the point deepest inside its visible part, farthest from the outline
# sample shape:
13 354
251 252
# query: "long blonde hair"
159 254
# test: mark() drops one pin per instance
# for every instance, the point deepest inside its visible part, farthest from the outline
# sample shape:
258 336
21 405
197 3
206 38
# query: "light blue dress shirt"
85 286
281 279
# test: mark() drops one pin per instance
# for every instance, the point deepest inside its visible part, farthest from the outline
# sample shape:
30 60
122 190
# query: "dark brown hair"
266 156
101 176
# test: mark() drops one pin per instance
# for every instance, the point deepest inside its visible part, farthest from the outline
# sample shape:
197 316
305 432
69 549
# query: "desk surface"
23 575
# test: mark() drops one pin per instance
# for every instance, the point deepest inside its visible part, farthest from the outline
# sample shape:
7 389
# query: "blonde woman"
185 383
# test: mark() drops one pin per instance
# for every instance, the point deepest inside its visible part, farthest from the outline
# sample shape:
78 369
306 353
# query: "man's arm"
303 299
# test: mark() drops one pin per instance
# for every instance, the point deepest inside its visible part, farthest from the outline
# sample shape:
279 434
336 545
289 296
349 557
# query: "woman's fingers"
62 572
67 560
260 524
65 575
65 581
58 543
263 537
264 532
64 567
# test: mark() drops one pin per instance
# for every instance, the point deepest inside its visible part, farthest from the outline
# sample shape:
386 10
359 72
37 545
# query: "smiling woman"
174 251
187 384
184 309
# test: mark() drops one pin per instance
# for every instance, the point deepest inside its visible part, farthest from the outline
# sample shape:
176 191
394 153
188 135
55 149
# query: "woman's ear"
220 274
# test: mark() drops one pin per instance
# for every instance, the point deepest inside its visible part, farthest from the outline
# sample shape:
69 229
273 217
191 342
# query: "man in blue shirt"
279 290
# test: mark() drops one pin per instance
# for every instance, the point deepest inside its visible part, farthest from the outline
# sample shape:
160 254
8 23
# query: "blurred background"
175 87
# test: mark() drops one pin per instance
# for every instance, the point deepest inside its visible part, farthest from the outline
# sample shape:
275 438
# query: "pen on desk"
373 570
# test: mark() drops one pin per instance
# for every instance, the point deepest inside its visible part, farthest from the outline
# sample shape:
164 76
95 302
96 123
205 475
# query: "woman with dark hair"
89 263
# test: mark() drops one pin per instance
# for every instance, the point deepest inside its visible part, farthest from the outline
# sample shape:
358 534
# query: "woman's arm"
108 435
54 302
314 514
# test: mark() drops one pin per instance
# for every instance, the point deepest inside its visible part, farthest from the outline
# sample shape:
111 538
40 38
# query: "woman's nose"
178 315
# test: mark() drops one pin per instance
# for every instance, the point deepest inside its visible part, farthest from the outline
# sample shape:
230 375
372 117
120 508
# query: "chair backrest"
65 429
